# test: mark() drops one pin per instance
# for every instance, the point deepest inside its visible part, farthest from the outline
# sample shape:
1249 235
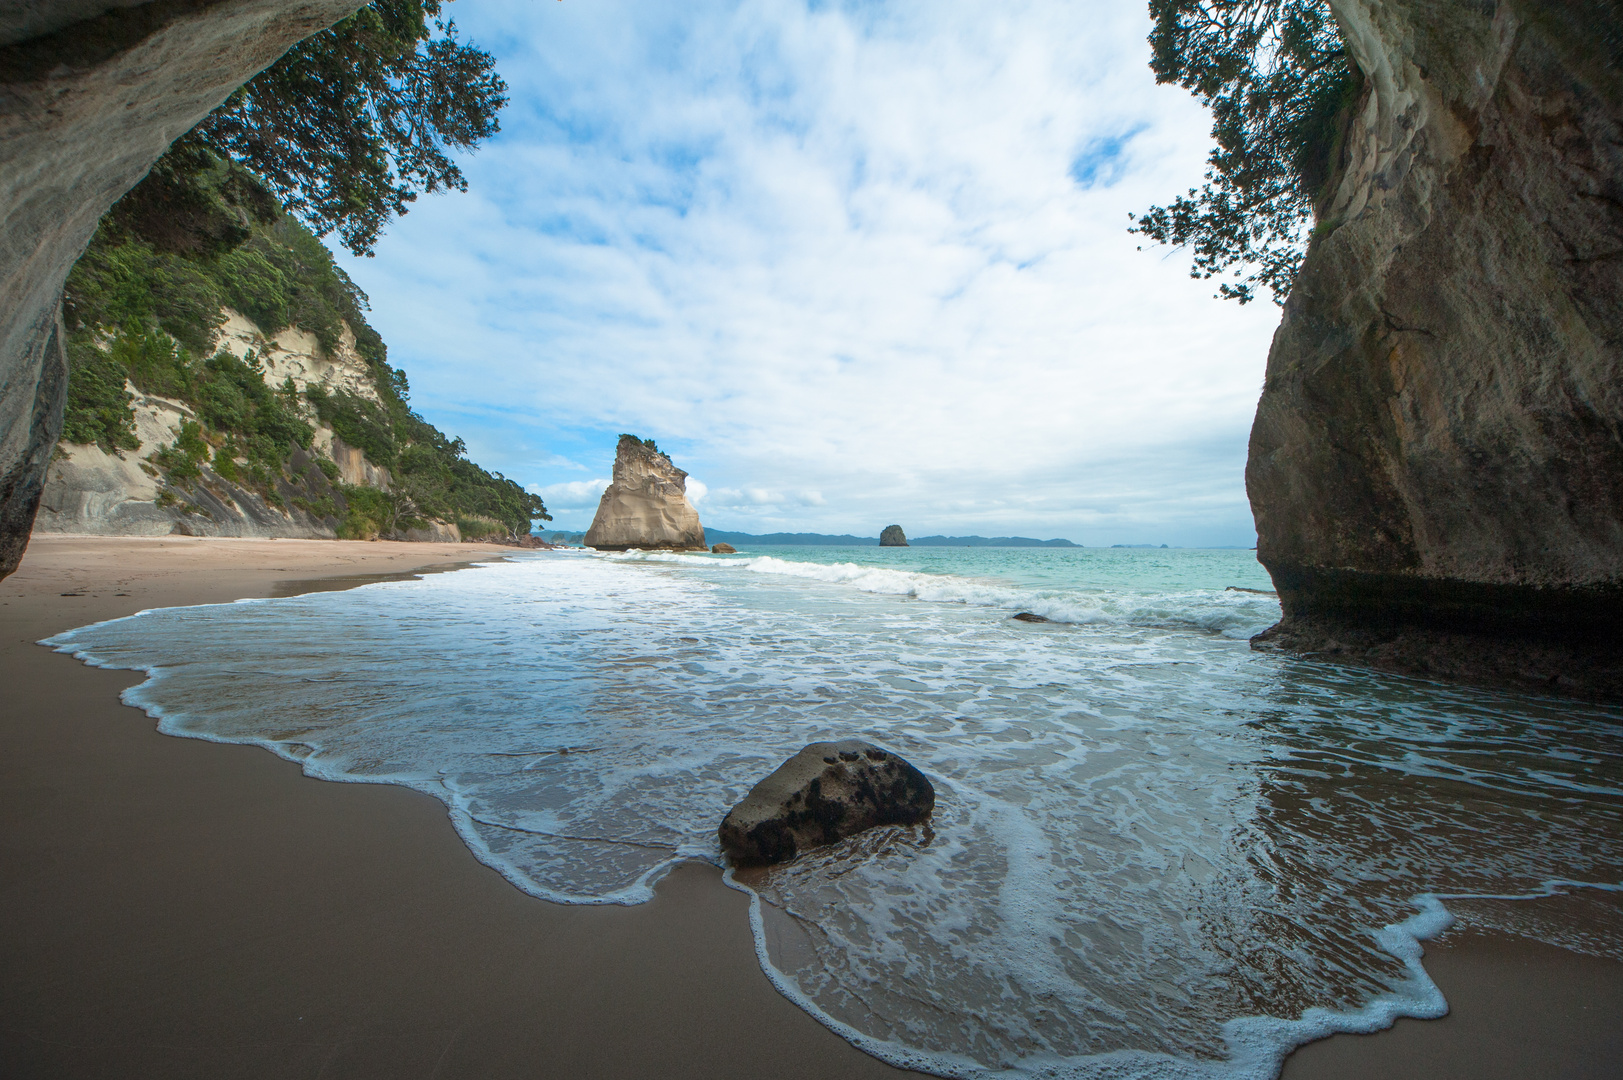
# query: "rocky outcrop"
723 549
89 490
825 793
90 95
646 506
892 536
1436 467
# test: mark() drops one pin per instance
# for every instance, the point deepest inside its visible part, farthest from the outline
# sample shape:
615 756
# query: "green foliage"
369 513
351 123
1280 85
232 396
428 468
98 404
477 528
143 303
360 422
181 459
649 443
278 274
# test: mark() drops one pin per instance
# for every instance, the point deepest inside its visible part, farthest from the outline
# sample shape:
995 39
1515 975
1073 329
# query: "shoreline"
179 907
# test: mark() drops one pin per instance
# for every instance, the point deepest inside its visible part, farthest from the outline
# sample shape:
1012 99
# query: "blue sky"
850 264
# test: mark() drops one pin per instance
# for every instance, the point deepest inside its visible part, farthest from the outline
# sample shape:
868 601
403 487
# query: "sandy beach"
178 908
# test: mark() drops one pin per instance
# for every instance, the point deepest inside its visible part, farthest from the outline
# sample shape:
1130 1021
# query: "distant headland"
714 536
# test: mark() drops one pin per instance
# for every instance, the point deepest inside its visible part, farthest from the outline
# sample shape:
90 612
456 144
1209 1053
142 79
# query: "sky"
850 264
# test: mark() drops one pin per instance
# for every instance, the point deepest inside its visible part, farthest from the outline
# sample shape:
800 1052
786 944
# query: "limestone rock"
90 95
89 490
1436 455
893 537
828 791
646 506
723 549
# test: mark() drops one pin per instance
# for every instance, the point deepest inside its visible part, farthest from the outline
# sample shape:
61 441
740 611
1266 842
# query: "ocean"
1155 852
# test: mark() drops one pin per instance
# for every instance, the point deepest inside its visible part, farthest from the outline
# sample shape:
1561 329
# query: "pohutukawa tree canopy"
351 124
1279 81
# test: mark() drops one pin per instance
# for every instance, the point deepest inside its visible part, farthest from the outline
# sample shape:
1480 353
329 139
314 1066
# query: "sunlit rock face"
646 506
90 95
1436 466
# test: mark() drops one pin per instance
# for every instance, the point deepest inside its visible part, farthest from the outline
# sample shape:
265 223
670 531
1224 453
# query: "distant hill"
719 536
983 541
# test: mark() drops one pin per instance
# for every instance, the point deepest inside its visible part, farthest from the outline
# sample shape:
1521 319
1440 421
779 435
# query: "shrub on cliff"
1280 84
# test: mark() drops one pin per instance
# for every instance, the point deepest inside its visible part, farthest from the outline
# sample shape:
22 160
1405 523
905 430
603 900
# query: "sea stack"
893 537
646 506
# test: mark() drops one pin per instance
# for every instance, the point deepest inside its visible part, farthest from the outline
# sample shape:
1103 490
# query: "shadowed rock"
1027 616
723 549
893 537
1436 457
828 791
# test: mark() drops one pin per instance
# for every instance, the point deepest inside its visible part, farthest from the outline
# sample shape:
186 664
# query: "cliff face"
1436 466
111 492
86 107
646 506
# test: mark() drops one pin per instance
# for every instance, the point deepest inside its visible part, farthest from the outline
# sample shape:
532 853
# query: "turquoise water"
1155 851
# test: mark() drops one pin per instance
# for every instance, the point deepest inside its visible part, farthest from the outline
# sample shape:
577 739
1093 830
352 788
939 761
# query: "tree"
350 124
1280 84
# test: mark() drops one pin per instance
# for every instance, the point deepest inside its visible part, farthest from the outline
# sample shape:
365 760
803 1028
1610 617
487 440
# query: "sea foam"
1155 853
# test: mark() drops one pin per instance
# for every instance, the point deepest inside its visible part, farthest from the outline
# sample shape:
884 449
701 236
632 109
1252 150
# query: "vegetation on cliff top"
351 123
342 132
143 304
1280 85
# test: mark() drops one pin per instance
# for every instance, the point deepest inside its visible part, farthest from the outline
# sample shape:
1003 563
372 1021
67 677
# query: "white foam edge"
1257 1045
929 586
638 892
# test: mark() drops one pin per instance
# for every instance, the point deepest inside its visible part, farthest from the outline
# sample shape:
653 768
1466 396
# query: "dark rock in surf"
1026 616
723 549
827 792
893 537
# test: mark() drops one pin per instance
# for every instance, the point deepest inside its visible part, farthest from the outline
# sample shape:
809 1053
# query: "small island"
893 537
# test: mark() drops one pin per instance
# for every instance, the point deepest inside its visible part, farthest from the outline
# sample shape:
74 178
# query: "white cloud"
573 494
857 264
696 491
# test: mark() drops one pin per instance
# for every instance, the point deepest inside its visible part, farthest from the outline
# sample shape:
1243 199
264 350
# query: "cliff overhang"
1436 466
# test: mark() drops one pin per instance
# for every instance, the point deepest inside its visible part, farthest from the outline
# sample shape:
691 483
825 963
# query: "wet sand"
175 908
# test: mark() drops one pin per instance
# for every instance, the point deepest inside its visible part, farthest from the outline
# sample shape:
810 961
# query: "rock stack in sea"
646 506
893 537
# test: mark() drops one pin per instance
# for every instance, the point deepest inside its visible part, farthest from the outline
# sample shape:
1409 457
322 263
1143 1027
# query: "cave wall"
1437 458
86 107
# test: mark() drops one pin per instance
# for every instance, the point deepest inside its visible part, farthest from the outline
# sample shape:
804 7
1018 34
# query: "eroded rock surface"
89 98
646 506
828 791
893 537
1436 466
